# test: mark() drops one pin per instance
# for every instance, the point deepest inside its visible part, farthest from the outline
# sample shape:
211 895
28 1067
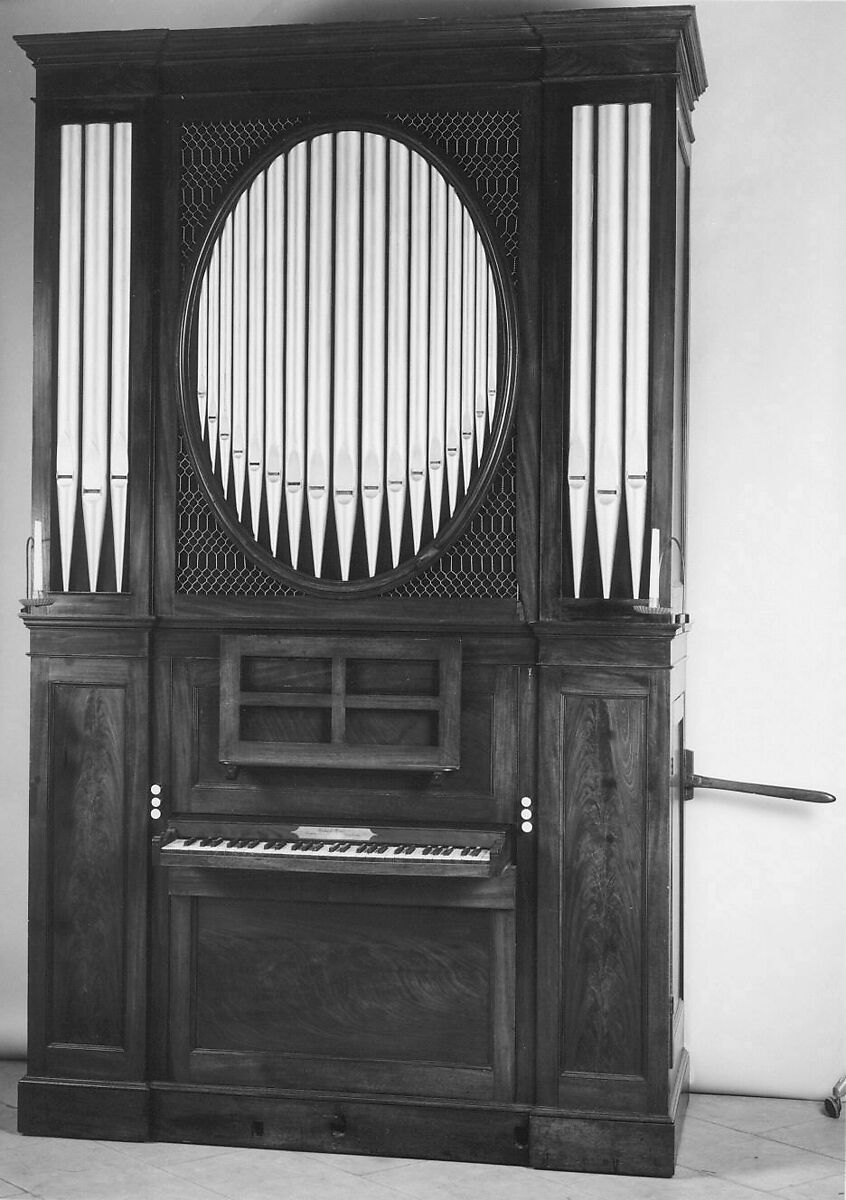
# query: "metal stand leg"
834 1102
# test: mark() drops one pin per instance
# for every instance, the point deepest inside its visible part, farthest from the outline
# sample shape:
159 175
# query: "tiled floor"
732 1148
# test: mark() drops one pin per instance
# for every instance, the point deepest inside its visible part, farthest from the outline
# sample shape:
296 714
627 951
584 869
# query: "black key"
251 845
191 841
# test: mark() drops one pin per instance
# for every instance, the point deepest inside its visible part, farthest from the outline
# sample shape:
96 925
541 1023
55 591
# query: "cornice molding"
655 29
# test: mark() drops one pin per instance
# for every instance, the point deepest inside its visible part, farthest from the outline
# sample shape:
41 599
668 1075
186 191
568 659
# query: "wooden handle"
762 789
756 789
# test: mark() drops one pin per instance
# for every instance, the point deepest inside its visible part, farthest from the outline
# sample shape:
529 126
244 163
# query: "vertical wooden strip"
70 298
347 318
581 334
418 356
240 308
453 346
604 757
319 342
224 352
295 342
87 855
437 346
608 447
637 332
397 388
274 342
95 342
373 363
256 274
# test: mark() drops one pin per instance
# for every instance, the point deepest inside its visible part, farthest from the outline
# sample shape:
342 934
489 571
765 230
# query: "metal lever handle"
693 781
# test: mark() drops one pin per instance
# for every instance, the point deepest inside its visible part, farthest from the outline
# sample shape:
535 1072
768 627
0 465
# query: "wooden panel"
117 1111
613 1147
349 1124
88 793
346 982
357 987
482 789
604 815
410 687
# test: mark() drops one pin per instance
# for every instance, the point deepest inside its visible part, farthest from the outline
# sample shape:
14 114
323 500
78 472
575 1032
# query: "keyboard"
461 852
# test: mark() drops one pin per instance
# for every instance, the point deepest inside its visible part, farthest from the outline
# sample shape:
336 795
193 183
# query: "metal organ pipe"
95 342
274 343
609 333
468 351
418 335
373 342
437 346
240 301
637 332
92 373
455 232
213 341
256 353
67 400
224 335
480 397
296 207
319 343
581 334
353 311
119 412
608 450
346 358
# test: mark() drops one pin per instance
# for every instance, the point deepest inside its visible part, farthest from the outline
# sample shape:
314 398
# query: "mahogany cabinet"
357 620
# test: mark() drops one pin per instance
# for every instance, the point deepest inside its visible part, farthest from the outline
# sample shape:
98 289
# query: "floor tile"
753 1114
685 1185
100 1180
8 1190
831 1188
747 1158
822 1136
267 1174
164 1153
362 1164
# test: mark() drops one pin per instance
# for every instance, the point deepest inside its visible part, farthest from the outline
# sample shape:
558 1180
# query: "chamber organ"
358 665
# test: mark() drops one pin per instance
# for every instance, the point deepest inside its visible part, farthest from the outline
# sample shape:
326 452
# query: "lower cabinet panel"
342 990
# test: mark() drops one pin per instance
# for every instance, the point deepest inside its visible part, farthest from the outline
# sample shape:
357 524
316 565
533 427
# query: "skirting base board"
508 1134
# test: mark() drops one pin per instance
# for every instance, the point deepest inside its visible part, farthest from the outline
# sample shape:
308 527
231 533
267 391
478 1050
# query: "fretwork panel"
481 564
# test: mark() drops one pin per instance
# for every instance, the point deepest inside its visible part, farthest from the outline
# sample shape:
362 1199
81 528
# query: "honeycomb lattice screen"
481 564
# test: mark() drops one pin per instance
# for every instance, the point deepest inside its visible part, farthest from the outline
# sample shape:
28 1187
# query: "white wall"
765 931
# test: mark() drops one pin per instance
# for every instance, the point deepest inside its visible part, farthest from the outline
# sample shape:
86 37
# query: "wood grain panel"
87 791
482 789
604 814
356 981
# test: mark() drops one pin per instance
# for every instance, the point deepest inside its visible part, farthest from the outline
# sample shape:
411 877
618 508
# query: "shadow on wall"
320 11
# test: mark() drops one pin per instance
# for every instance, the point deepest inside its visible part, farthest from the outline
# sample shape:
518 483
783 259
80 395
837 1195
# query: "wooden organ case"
357 627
